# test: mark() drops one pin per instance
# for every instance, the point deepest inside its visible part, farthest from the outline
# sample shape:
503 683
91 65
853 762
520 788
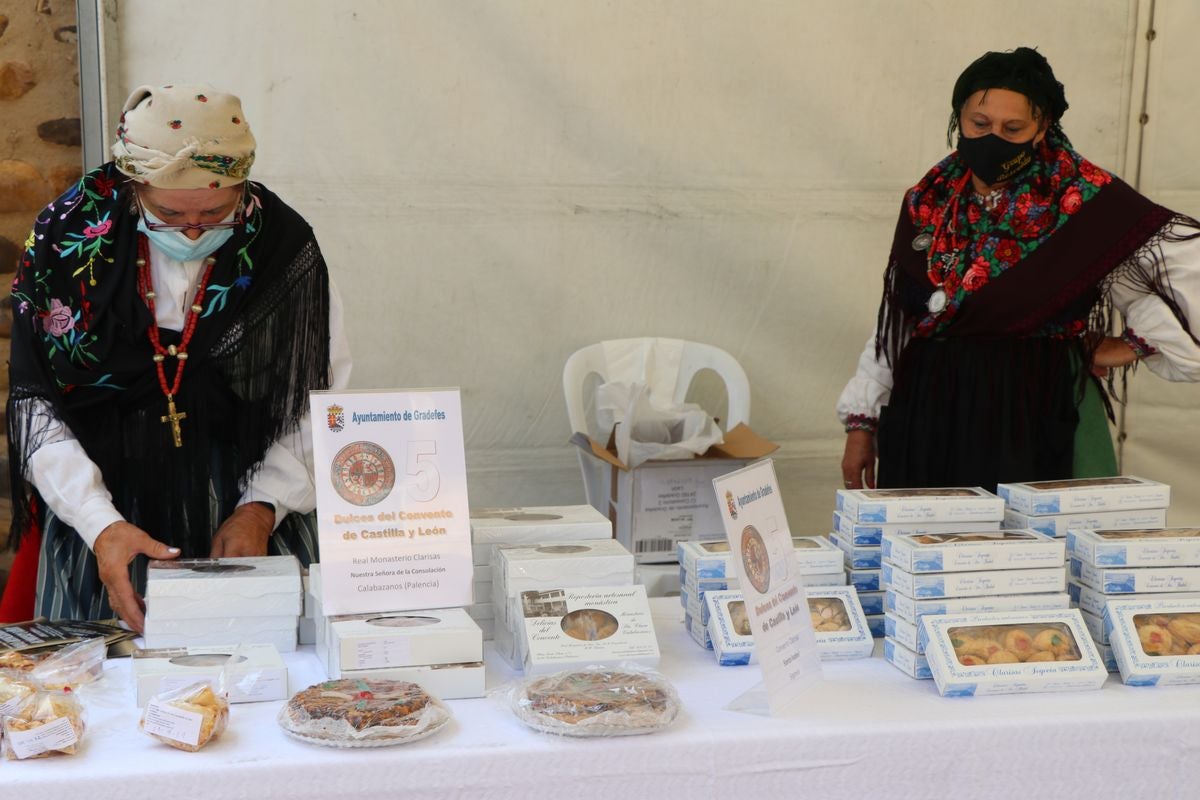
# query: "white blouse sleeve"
868 390
1176 356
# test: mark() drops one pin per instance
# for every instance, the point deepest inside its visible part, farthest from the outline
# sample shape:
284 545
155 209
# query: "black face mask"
993 159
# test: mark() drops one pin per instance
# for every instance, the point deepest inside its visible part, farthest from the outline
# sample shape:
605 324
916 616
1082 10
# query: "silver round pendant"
922 241
937 302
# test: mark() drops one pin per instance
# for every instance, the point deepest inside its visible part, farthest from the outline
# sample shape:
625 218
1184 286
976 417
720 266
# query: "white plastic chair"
592 360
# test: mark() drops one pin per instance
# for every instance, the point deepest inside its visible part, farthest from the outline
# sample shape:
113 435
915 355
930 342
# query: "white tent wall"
496 184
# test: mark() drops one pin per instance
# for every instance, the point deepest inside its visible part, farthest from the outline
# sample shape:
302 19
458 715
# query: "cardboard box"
207 588
872 603
1085 598
1160 547
952 504
221 632
577 627
257 674
1095 627
906 633
975 584
661 503
865 580
1136 580
814 555
959 647
1057 525
870 534
911 663
841 627
971 552
856 557
911 610
698 631
1079 495
495 526
557 565
877 625
403 639
1156 641
443 681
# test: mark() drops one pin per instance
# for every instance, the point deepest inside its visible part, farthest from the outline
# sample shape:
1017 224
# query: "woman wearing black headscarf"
1008 260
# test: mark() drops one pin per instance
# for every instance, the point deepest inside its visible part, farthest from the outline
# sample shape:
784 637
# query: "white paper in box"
975 584
1059 653
911 610
1078 495
405 639
443 681
222 632
953 504
814 555
257 674
1057 525
972 552
1156 641
870 534
496 526
911 663
204 588
576 627
1137 580
1161 547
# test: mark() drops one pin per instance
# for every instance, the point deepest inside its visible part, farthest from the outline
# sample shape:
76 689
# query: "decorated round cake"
362 713
596 702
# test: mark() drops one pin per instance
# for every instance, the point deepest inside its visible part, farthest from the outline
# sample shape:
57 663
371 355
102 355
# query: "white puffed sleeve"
1176 356
867 391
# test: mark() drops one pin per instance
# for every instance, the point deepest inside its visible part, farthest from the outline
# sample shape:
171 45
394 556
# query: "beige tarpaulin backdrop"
496 184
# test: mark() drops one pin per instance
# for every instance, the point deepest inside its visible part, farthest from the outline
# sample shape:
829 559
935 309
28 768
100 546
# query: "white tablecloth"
868 731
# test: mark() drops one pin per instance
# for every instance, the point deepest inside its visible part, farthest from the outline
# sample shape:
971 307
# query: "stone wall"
40 153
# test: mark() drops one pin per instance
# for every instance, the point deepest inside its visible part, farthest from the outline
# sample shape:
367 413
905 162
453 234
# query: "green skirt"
1095 456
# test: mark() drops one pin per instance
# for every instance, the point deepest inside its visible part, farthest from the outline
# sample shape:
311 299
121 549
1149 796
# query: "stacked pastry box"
439 649
491 527
1061 508
570 604
859 525
226 601
705 567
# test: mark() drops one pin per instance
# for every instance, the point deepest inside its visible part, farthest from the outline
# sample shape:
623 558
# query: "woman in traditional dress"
1008 260
170 318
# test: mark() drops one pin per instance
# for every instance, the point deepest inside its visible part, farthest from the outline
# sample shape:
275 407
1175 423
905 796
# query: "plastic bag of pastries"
15 686
595 701
21 662
46 723
186 718
73 665
357 712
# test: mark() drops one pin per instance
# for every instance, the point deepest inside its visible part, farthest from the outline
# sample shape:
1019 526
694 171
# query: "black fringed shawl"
80 353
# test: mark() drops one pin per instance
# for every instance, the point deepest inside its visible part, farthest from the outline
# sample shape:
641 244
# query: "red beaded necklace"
178 352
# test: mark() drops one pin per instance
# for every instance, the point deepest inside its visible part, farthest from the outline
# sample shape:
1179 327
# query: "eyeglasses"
238 219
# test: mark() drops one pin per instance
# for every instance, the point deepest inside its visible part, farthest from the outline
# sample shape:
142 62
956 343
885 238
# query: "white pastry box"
443 681
870 534
1136 580
1057 525
955 504
871 602
204 588
1095 626
698 631
252 672
858 557
575 627
975 584
814 555
865 580
840 626
1012 652
969 552
875 624
557 565
1161 547
906 633
1156 642
911 610
1093 602
221 632
910 662
404 639
496 526
1078 495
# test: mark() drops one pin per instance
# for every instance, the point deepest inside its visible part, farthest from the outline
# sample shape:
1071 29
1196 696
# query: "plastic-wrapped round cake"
362 713
596 702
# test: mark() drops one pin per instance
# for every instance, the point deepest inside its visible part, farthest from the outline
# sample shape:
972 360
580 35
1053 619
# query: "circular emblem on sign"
363 473
755 560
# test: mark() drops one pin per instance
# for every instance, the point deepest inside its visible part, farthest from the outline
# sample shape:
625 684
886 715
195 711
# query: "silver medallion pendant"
937 302
922 241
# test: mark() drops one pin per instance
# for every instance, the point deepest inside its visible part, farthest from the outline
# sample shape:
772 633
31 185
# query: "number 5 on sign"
391 484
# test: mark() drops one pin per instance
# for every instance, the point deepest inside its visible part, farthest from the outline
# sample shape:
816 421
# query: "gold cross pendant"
173 418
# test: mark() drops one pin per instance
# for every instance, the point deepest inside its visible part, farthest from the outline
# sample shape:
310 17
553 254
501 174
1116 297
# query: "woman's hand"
1111 354
245 533
115 548
858 460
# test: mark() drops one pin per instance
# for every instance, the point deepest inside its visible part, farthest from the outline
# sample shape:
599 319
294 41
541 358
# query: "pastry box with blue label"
207 588
1093 602
866 580
866 557
252 672
1012 652
973 551
1136 580
576 627
1095 626
870 534
911 610
872 603
1077 495
495 526
906 633
403 639
697 631
875 623
957 504
1156 642
1157 547
1057 525
974 584
911 663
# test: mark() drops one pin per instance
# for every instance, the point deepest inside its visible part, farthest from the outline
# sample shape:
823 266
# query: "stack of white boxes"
705 567
222 602
491 527
1061 508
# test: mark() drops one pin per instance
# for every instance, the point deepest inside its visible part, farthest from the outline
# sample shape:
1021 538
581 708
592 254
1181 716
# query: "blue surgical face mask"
176 245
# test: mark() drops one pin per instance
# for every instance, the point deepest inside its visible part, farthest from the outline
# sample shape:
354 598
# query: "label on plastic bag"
56 735
10 708
163 719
